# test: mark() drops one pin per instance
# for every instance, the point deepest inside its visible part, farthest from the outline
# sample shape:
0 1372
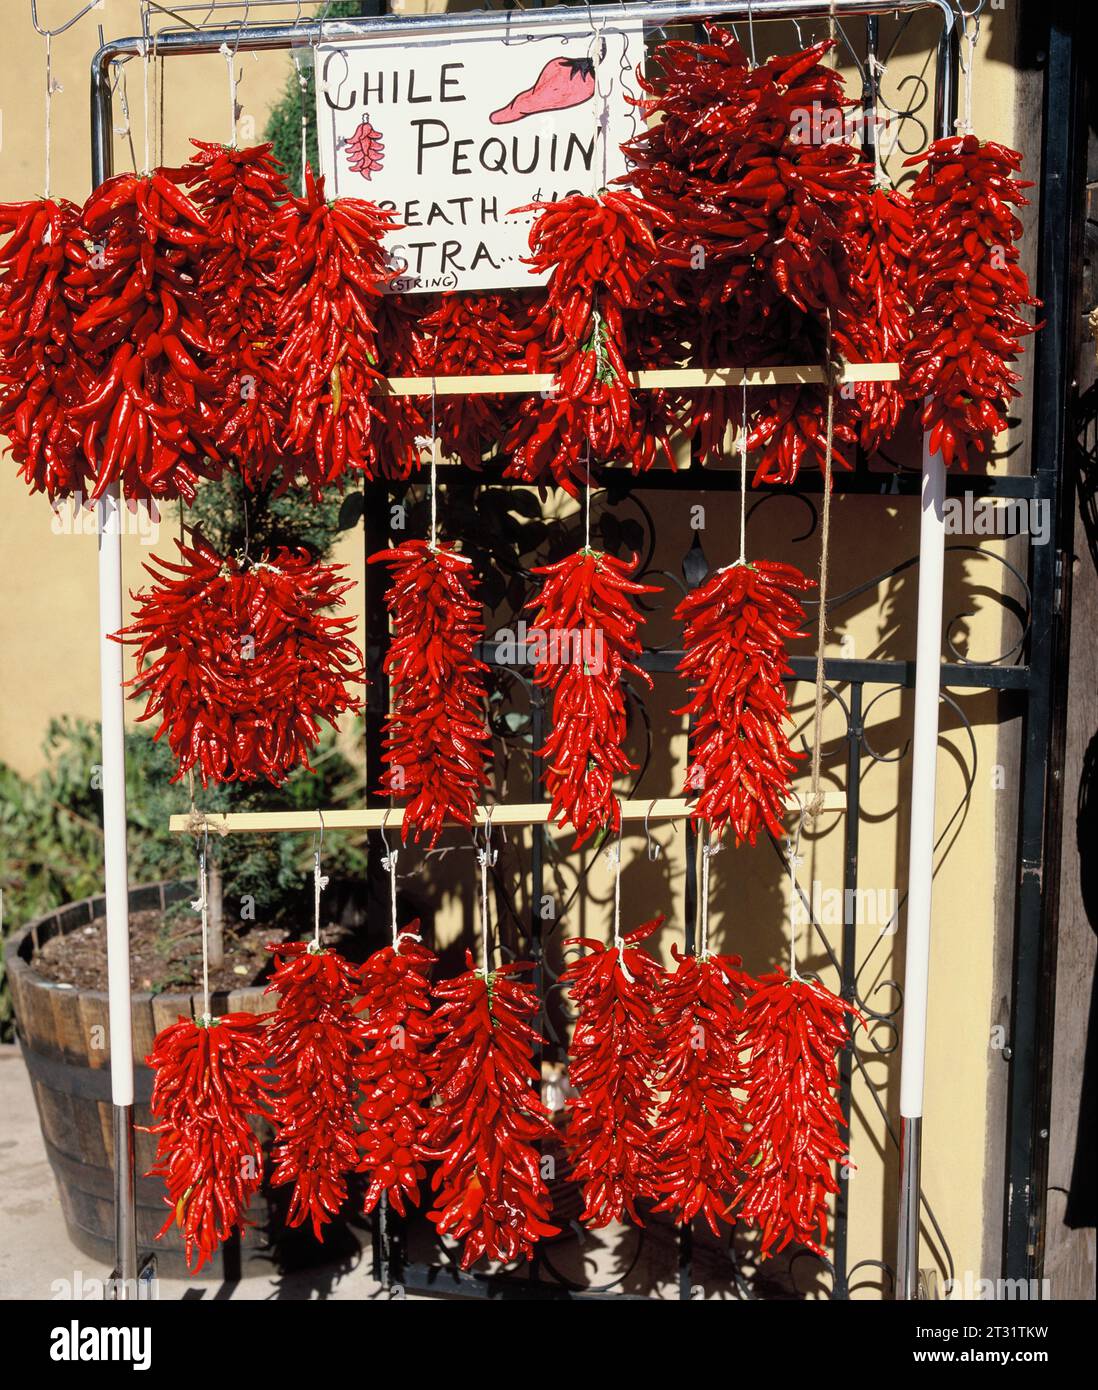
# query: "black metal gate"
1025 676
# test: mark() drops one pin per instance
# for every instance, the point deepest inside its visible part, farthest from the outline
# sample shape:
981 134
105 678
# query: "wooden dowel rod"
531 813
513 383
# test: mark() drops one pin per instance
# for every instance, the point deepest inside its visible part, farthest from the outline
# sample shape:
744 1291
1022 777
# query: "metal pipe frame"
242 37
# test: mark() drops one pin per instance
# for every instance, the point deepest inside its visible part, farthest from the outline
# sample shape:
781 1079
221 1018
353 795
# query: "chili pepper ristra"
488 1115
736 626
243 663
613 1062
210 1080
396 1070
585 637
317 1048
698 1131
436 736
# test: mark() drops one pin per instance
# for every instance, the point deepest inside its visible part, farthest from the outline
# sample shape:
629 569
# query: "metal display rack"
1029 678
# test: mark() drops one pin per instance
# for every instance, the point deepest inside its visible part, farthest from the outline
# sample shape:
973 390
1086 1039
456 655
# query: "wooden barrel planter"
65 1040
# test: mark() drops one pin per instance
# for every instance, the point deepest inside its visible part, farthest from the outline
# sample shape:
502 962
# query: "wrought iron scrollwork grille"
855 686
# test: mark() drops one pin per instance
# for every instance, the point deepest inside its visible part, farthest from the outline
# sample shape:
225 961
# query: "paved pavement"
37 1259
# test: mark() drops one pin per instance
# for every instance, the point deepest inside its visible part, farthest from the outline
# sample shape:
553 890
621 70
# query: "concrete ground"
37 1259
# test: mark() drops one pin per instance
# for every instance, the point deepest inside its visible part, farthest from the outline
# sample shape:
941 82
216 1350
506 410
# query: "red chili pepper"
698 1130
762 238
396 1070
613 1061
317 1048
435 736
792 1031
330 277
585 638
966 288
238 661
487 1117
42 373
210 1082
133 288
477 335
737 625
602 253
240 193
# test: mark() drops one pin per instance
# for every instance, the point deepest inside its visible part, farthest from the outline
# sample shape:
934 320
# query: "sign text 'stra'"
76 1343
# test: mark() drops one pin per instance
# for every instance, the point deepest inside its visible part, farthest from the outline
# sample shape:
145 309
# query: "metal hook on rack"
389 853
60 28
654 848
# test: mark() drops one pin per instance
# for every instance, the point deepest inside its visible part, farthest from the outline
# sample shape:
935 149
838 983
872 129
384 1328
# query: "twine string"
709 848
320 882
435 448
794 859
201 905
815 798
146 122
587 498
743 476
51 87
229 55
613 855
485 858
302 88
966 52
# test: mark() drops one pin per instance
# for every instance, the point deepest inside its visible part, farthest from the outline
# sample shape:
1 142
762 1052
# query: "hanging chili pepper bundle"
698 1129
436 736
966 289
395 1073
41 374
240 193
210 1081
794 1030
764 209
317 1044
149 413
488 1116
331 272
613 1059
789 429
471 335
586 628
876 324
737 625
755 200
242 663
601 253
400 424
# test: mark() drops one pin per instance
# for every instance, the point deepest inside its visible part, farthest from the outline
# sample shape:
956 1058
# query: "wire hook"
655 849
61 28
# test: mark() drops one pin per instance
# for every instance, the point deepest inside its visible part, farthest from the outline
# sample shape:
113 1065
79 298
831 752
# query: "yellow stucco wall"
48 660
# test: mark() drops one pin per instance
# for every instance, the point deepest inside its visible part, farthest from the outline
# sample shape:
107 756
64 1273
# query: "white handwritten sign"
454 130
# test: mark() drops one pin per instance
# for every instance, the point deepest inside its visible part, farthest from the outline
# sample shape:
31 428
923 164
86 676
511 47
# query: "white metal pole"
112 710
924 771
111 699
920 862
116 882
